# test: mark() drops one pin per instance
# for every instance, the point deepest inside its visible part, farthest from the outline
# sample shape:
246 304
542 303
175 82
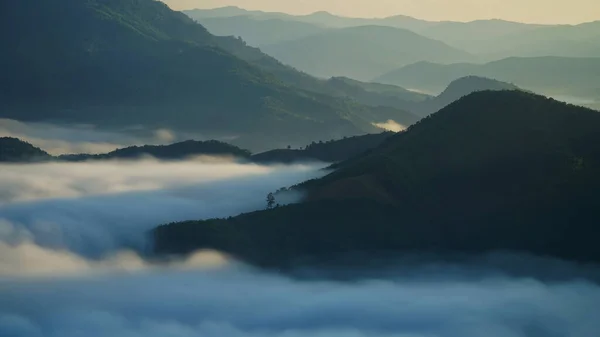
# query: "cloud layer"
240 302
97 208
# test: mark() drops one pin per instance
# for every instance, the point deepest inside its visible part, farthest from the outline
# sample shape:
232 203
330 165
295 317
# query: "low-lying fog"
72 238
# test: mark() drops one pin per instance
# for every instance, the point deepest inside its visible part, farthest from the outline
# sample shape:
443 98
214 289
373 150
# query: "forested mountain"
181 150
331 151
361 52
15 150
579 77
121 63
496 170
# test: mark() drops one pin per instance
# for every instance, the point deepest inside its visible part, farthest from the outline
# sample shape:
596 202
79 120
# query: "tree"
270 200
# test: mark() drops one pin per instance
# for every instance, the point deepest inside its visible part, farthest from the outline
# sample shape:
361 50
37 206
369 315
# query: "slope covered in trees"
175 151
16 150
504 170
137 62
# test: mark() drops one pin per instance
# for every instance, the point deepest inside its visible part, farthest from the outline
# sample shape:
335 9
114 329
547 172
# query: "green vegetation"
15 150
496 170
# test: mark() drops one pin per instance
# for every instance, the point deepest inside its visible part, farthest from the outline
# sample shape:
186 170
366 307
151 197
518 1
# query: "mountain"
321 19
496 170
361 52
561 40
470 36
331 151
259 32
181 150
16 150
457 89
577 77
136 62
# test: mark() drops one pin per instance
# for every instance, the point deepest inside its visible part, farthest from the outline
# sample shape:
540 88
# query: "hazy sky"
540 11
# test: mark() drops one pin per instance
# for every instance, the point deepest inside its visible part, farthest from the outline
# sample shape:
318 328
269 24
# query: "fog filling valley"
73 238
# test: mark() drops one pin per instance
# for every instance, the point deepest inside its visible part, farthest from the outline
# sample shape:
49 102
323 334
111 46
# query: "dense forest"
15 150
504 170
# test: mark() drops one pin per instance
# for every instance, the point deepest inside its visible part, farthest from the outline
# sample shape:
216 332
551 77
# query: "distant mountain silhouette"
331 151
176 151
459 88
122 63
322 19
577 77
496 170
581 40
15 150
361 52
259 32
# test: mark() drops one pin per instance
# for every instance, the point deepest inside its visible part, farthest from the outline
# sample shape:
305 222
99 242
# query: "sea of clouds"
73 238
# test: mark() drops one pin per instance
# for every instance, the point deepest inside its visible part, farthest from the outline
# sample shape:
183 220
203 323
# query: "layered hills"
496 170
578 77
122 63
362 52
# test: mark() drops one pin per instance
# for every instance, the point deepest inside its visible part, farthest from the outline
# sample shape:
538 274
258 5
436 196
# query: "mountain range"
361 52
14 150
123 63
496 170
557 76
488 39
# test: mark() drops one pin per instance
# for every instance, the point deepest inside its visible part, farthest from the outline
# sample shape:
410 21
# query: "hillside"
560 40
503 170
16 150
154 67
361 52
331 151
577 77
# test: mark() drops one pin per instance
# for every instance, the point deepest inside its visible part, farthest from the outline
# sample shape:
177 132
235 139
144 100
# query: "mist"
97 208
229 299
73 262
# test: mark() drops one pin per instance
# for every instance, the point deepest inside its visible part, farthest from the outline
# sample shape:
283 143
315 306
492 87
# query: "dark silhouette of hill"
176 151
579 77
259 32
120 63
16 150
496 170
331 151
361 52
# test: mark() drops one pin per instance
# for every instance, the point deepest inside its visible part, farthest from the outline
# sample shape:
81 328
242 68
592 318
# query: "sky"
531 11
